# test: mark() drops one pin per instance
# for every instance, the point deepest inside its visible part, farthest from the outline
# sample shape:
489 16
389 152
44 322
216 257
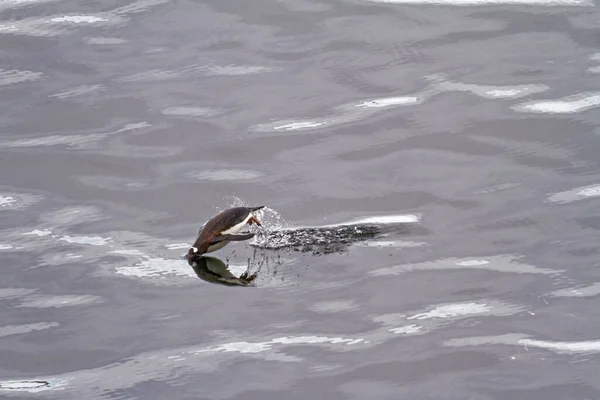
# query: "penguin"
223 228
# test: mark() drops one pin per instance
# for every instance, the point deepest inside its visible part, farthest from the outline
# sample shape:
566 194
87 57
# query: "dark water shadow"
214 270
330 239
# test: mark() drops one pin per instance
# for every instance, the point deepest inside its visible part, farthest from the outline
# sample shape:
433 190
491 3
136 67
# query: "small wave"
10 293
494 92
17 201
501 263
100 40
7 4
91 240
507 339
9 77
6 201
566 105
437 316
56 25
584 346
345 113
382 220
38 232
171 365
234 70
42 301
79 91
576 194
571 3
224 175
407 329
392 243
190 111
74 140
138 6
156 268
21 329
581 291
453 310
78 19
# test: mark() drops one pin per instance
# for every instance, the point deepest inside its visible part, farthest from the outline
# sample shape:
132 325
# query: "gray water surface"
466 131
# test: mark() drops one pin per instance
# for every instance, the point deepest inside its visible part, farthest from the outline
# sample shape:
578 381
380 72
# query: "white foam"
567 105
38 232
91 240
6 246
20 329
32 386
6 201
78 19
485 2
500 263
575 194
407 329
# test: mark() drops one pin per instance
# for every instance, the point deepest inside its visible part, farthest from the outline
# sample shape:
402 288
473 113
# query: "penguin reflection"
213 270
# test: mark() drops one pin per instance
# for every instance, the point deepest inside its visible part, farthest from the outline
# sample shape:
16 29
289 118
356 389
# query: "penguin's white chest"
237 228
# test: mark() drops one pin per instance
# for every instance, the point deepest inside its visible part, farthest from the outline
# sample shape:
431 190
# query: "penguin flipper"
232 238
